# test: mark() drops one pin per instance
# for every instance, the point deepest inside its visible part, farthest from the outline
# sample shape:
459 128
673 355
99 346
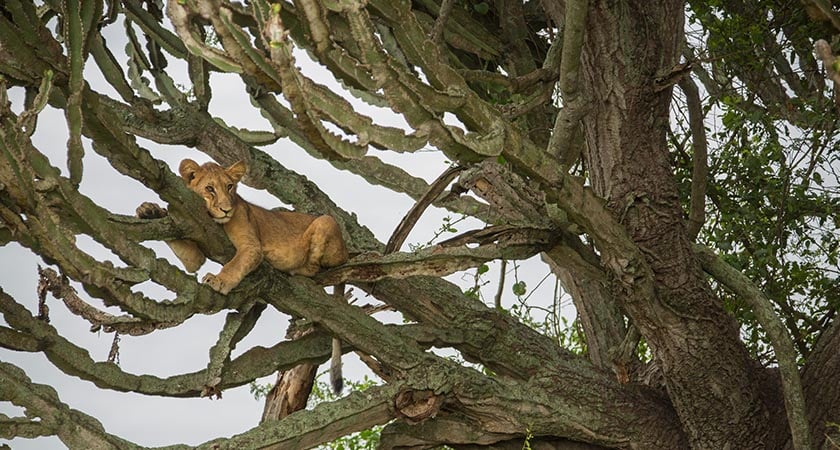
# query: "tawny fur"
293 242
296 243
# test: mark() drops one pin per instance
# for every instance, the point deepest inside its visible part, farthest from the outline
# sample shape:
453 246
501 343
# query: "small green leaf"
519 288
482 8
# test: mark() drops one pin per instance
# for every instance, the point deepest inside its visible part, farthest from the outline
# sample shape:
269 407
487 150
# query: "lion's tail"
336 378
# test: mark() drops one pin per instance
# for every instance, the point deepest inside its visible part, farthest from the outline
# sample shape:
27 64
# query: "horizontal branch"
513 243
74 360
324 423
74 428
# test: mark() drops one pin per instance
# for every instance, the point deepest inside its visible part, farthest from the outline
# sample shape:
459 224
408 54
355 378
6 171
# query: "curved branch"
574 105
782 344
73 360
700 165
407 223
74 428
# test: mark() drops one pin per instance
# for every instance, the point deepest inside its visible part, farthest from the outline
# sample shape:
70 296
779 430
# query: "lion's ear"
237 170
187 169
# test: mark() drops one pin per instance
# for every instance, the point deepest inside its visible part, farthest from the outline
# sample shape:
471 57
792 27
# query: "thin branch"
440 23
407 223
700 166
568 120
512 243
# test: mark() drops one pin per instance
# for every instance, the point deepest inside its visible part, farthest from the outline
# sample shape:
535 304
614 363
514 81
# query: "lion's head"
216 184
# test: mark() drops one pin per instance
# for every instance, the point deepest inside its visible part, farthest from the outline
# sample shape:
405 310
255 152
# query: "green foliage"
447 226
259 391
478 282
526 445
547 320
773 192
519 288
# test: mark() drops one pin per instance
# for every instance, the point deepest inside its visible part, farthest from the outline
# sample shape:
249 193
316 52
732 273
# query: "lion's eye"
230 187
210 189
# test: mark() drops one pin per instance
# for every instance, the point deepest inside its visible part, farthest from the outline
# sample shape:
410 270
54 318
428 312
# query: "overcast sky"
156 421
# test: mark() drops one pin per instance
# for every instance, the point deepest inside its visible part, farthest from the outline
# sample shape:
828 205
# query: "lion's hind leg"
326 247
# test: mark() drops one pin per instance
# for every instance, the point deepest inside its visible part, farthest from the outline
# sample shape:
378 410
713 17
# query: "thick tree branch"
328 421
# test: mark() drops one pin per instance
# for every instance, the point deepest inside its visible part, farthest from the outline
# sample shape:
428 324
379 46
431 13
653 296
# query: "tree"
695 229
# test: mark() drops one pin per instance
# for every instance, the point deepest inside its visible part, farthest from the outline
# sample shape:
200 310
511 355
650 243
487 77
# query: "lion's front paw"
148 210
217 284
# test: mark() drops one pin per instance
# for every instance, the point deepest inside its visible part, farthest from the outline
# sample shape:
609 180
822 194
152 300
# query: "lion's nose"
226 210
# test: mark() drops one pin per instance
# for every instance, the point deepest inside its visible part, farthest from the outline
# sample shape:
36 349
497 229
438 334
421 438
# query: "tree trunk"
292 388
630 48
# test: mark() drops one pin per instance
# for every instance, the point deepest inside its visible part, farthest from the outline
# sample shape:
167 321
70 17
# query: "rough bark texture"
292 388
707 370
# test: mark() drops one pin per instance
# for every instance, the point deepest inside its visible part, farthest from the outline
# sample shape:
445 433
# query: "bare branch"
442 260
778 335
700 167
407 223
574 107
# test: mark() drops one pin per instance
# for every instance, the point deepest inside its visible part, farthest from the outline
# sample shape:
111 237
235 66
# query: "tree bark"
630 48
292 388
819 384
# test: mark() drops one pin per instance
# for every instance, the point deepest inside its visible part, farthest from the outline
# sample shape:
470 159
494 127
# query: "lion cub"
296 243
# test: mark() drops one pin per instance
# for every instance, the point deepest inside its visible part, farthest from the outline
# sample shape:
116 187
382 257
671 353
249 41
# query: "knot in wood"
416 406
